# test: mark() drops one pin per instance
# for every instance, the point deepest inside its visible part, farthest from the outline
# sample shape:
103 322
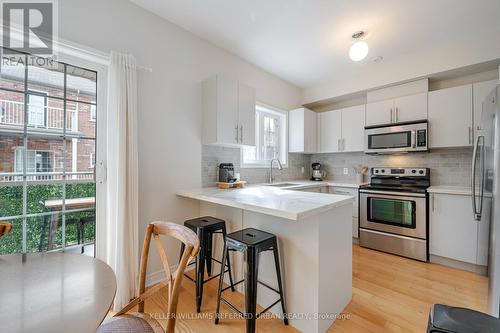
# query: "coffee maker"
226 173
317 173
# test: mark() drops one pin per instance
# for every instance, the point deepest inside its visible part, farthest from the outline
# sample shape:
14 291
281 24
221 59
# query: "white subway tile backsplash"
448 166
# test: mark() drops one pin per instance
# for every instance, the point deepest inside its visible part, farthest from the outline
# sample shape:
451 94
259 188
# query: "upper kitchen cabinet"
410 108
401 109
379 113
330 131
353 128
302 131
450 117
342 130
228 112
479 92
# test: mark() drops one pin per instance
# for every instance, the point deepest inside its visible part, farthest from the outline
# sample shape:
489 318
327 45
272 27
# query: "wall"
448 166
212 156
169 98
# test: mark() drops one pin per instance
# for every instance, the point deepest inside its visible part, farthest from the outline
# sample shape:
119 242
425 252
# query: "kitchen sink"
283 184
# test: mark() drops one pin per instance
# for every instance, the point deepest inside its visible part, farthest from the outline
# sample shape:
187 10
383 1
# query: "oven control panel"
400 172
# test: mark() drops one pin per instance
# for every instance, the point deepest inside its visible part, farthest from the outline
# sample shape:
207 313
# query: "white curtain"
122 172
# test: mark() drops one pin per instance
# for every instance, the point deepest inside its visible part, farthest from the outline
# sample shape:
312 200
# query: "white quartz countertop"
458 190
280 202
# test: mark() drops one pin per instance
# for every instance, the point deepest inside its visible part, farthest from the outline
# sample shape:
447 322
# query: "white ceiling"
306 42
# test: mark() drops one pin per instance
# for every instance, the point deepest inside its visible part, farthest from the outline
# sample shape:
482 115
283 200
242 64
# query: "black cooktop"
395 188
415 180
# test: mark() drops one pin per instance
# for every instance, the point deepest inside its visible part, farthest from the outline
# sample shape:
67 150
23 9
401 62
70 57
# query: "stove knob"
376 171
383 170
421 172
413 171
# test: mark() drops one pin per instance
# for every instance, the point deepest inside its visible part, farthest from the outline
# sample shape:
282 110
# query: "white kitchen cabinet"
450 117
379 113
479 92
353 128
354 193
228 112
342 130
330 131
397 110
246 114
302 131
453 232
410 108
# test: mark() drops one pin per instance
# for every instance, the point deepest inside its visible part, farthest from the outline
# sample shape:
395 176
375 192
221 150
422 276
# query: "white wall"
169 98
449 55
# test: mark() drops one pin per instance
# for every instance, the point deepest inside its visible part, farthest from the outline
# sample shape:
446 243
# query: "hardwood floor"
390 294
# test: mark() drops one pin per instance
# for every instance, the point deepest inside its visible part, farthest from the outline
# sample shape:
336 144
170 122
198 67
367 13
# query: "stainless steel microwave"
397 138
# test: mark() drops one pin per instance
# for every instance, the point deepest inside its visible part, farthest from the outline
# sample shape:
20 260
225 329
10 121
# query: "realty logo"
29 26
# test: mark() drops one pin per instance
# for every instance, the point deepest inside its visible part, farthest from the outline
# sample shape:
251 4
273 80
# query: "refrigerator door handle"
477 214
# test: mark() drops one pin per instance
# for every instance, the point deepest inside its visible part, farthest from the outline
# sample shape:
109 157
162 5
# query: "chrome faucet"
280 167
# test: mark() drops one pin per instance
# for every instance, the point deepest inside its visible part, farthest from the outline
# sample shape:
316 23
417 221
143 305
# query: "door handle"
236 135
391 116
396 115
241 134
477 214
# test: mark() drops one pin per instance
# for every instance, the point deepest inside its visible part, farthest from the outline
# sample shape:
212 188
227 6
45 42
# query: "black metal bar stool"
251 242
205 227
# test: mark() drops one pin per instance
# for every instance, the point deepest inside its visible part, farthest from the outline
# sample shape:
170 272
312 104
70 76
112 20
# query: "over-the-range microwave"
396 138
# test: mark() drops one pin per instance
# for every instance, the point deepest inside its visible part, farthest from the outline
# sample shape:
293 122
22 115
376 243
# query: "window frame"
93 119
20 150
283 137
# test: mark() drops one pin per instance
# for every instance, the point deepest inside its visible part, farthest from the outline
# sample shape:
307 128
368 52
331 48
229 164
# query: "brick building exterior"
45 126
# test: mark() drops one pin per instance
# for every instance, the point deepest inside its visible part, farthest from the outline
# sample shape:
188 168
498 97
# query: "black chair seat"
448 319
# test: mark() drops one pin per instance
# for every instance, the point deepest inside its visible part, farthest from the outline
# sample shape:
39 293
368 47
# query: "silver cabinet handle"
391 116
433 201
469 135
343 144
241 134
338 145
397 115
236 135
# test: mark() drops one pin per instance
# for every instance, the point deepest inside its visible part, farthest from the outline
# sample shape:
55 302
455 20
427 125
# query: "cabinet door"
331 127
410 108
450 117
379 113
227 110
302 131
353 128
310 131
246 114
452 229
479 91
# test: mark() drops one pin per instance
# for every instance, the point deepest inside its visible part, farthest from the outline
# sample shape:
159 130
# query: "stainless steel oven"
396 138
393 212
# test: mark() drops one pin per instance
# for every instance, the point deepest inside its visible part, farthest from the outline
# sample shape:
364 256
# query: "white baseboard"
159 276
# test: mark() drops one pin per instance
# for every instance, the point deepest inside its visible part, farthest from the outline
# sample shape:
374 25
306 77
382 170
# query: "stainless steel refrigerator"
486 179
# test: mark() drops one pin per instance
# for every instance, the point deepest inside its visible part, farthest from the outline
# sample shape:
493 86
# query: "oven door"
394 212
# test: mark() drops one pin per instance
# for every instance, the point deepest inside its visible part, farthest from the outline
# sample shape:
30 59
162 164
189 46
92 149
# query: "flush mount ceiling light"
358 50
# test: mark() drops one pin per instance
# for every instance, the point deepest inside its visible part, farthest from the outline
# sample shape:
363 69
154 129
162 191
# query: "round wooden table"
54 292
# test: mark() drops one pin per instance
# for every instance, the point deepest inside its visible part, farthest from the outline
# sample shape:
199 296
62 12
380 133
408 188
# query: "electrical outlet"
302 170
346 171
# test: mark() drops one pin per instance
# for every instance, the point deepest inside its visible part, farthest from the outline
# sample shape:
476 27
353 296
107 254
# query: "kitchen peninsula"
314 232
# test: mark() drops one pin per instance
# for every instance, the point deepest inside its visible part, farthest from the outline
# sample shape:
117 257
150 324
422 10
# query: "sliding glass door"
48 126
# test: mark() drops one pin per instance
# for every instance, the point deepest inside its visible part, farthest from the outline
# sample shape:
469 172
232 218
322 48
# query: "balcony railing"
45 177
12 113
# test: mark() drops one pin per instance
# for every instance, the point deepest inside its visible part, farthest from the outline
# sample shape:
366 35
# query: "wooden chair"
5 228
124 322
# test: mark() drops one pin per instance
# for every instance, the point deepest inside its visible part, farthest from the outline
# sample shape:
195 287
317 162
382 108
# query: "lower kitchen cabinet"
453 232
354 193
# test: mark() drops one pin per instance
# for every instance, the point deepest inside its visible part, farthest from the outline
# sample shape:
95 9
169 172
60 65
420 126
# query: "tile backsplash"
448 166
212 156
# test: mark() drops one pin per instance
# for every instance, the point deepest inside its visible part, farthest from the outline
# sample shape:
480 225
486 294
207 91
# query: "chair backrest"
173 281
5 228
